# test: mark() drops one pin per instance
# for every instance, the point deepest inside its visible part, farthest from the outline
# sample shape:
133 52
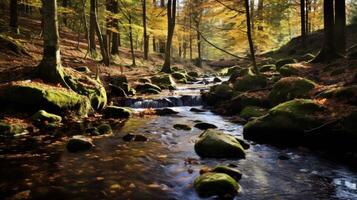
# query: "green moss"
290 88
193 74
11 129
287 118
267 68
213 143
164 81
178 75
104 129
117 112
229 70
148 88
252 111
250 82
42 116
212 184
288 70
41 96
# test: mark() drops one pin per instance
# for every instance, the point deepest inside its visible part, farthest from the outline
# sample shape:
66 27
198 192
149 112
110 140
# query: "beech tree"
171 17
249 35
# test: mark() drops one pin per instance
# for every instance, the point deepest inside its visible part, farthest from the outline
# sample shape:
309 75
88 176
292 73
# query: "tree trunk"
108 35
84 16
199 53
92 28
249 35
340 26
328 51
260 15
115 43
171 17
50 69
154 43
103 50
131 42
14 16
303 23
65 5
145 35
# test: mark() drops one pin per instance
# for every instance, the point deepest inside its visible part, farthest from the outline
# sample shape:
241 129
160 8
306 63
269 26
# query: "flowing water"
165 166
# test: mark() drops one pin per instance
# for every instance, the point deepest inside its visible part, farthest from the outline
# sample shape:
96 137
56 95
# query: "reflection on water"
165 167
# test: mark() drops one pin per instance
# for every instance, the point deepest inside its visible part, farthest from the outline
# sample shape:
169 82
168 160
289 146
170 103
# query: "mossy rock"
11 129
286 121
9 43
288 70
218 93
178 75
290 88
165 111
91 88
283 62
216 184
205 126
164 81
79 143
35 96
234 173
236 104
183 81
239 73
267 68
216 144
229 70
252 111
250 82
182 127
148 88
117 112
104 129
193 74
217 80
83 69
43 116
346 93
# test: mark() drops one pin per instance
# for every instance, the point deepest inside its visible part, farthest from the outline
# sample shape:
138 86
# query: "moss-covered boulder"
42 116
178 75
252 111
239 73
216 184
165 111
182 127
164 81
218 93
193 74
83 69
283 62
84 85
11 129
290 88
117 112
346 94
216 144
104 129
287 121
234 173
144 80
237 103
34 96
148 88
79 143
288 70
250 82
229 70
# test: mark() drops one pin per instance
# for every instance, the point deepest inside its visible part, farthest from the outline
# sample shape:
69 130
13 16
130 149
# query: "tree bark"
340 26
92 28
84 16
65 5
171 17
115 42
249 35
14 16
50 69
145 35
303 23
131 42
328 51
199 53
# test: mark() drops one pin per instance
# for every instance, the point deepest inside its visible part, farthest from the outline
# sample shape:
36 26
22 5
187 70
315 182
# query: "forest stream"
165 166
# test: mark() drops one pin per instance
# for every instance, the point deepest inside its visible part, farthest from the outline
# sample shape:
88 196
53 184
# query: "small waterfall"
185 100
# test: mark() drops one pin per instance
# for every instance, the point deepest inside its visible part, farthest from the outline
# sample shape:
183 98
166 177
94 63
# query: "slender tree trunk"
199 52
115 43
84 16
65 5
249 35
14 16
50 69
252 15
154 43
340 26
171 17
260 15
103 50
328 51
145 35
131 42
303 22
92 28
